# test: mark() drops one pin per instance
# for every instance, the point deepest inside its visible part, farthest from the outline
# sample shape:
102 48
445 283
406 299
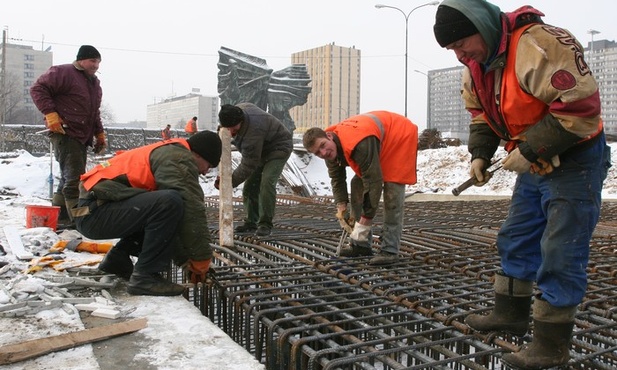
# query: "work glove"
100 143
54 122
361 231
515 161
478 170
196 270
343 217
217 182
543 167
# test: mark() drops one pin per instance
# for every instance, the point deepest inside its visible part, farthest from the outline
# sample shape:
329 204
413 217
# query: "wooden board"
17 247
37 347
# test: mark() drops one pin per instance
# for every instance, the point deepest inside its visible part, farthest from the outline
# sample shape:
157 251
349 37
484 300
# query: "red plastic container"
42 216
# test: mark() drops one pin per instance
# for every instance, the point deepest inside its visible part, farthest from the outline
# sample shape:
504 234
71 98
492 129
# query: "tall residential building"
446 111
177 110
20 66
335 84
601 56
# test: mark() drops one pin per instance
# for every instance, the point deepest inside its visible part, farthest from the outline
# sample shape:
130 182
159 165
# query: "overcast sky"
155 49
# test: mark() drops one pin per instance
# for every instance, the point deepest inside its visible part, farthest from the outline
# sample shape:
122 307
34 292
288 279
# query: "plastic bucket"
42 216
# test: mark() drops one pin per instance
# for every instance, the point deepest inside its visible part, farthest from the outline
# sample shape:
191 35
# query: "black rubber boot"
152 284
245 228
511 311
117 262
550 346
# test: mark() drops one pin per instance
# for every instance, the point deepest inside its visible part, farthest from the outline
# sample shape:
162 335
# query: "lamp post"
592 33
406 15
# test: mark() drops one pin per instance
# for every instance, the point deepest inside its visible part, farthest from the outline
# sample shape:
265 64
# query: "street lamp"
406 15
591 32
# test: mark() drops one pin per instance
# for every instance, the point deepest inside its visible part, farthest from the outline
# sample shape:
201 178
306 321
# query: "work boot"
263 231
117 262
550 346
245 228
384 258
511 311
152 284
64 220
355 251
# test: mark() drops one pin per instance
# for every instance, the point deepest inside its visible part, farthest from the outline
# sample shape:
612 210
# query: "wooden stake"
226 191
37 347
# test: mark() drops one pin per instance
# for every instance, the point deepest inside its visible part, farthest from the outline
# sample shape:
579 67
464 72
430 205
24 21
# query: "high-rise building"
601 56
177 110
335 86
20 66
446 111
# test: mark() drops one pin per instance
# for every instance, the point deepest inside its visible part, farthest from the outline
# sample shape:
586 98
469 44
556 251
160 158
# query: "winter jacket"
535 71
75 96
261 137
190 127
172 166
380 147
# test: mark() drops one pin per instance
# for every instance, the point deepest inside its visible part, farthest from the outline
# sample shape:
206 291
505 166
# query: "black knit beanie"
208 145
230 115
451 25
88 52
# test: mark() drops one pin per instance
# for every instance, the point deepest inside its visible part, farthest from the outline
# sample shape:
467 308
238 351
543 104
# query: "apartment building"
20 66
601 56
335 84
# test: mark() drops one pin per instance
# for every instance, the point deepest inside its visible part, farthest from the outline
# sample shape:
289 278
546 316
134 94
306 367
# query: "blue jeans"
546 235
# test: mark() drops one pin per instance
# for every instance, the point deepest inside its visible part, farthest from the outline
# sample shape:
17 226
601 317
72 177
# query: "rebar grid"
291 302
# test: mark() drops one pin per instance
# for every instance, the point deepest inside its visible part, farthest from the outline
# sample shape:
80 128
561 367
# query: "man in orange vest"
527 83
381 148
166 132
150 197
191 126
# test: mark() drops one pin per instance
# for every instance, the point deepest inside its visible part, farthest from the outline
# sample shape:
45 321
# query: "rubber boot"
511 311
355 251
550 346
142 283
68 223
117 262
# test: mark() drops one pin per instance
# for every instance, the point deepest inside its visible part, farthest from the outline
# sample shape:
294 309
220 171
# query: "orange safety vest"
399 143
135 164
191 126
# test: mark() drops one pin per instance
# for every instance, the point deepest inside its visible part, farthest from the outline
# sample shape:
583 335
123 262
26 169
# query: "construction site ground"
286 301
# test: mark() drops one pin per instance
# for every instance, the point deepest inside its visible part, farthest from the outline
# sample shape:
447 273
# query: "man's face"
233 130
324 148
90 66
471 47
202 165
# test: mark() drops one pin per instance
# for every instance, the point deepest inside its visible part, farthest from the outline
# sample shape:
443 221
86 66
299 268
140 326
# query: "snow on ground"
24 180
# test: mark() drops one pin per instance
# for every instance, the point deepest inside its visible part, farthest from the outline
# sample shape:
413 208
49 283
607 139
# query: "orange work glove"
54 122
100 143
197 270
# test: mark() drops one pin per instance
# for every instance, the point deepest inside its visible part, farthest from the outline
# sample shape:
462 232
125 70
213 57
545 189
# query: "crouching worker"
150 198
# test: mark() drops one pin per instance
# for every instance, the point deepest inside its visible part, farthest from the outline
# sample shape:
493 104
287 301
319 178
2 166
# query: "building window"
28 74
28 57
28 66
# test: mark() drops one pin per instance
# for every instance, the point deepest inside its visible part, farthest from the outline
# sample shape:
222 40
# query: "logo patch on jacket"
563 80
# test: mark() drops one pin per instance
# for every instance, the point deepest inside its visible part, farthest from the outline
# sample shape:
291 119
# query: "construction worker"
381 147
191 126
70 95
527 83
150 197
166 132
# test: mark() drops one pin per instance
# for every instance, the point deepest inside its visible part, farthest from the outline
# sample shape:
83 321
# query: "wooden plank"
14 238
37 347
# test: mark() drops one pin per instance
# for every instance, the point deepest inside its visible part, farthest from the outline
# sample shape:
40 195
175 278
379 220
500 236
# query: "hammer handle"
464 186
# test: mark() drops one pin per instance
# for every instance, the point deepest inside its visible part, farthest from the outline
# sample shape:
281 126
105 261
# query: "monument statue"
246 78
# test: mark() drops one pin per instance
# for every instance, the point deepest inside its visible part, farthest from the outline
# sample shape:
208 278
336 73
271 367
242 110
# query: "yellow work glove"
100 143
196 270
342 215
54 122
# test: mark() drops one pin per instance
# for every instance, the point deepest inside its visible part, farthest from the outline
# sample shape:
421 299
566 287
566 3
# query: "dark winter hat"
208 145
230 115
451 25
88 52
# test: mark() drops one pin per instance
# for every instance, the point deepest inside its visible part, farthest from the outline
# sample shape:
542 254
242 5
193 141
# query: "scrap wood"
37 347
17 247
